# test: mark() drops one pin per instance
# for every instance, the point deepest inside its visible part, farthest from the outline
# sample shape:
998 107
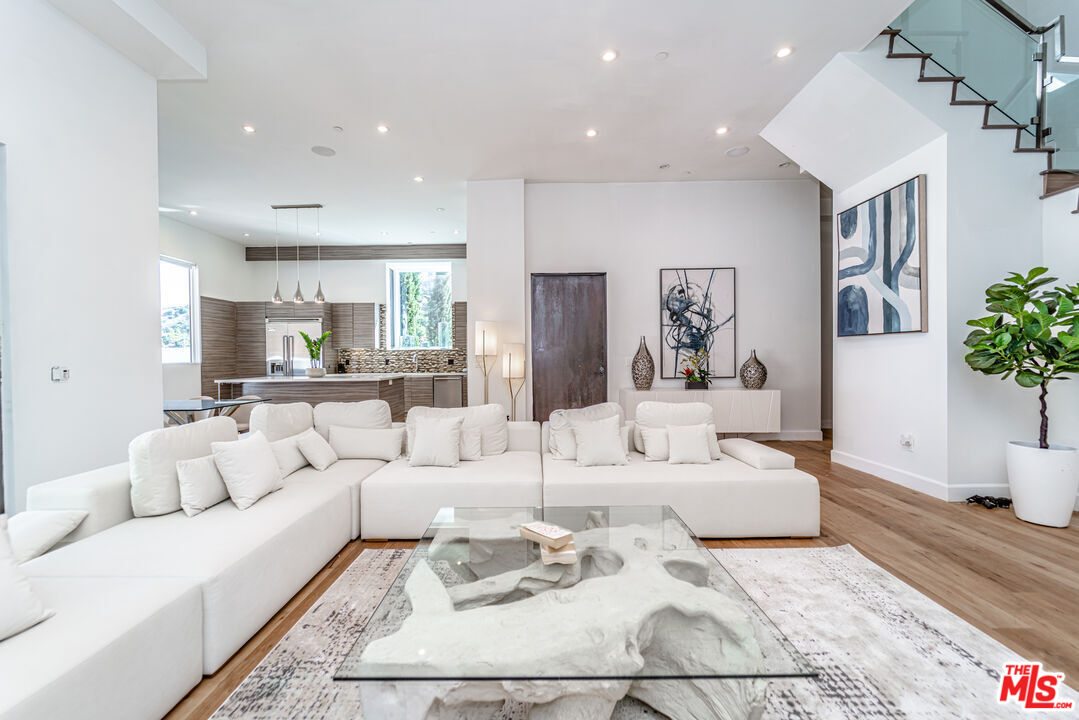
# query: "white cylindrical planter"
1043 482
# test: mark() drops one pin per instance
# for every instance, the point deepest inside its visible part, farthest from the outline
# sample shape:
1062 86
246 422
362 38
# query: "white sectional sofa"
146 605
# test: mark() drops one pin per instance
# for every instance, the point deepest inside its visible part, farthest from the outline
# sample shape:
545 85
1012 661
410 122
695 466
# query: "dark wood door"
569 341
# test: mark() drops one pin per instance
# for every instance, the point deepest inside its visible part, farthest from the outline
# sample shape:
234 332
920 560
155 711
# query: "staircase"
1030 137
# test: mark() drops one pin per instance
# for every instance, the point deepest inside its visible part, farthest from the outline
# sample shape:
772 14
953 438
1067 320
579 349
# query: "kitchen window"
179 311
419 313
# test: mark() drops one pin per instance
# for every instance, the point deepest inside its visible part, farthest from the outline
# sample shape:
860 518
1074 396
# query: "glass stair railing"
1003 57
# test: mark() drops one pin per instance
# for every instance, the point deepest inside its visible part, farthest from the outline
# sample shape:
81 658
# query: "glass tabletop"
201 405
644 600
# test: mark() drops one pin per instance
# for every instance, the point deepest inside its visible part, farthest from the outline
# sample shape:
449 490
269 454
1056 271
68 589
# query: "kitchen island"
348 387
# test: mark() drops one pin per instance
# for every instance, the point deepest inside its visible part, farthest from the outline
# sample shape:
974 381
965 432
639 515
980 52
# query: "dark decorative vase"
753 373
696 384
644 369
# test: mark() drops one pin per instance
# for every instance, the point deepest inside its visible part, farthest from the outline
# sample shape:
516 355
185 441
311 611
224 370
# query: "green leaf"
1036 272
1028 379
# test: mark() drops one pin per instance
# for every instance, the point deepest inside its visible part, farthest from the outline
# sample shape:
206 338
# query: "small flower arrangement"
696 369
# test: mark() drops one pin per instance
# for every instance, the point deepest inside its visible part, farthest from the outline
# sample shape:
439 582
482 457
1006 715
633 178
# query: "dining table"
182 411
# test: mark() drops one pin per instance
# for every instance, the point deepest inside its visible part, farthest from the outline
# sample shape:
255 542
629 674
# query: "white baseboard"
923 484
789 435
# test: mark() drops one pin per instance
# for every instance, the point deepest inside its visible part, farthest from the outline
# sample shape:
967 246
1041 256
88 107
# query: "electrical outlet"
449 361
60 374
387 361
906 441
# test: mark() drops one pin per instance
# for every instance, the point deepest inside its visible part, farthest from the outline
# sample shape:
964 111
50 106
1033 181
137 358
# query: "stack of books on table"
556 543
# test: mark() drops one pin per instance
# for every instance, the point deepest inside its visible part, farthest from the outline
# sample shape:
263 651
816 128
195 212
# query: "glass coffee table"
475 620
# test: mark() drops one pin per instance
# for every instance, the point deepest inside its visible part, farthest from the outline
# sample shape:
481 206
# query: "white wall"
768 231
223 273
79 123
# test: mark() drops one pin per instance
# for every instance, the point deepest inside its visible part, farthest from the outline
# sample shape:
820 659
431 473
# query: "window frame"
393 298
194 309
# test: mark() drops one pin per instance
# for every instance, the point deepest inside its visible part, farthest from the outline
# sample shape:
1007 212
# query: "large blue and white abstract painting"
696 310
882 280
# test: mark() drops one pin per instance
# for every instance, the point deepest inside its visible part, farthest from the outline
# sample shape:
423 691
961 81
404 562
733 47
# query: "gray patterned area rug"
883 649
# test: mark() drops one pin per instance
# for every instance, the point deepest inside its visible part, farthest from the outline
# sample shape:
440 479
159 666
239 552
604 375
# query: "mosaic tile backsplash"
381 359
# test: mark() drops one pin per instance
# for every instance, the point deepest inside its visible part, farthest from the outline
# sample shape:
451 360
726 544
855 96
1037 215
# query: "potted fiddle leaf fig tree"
314 349
1032 335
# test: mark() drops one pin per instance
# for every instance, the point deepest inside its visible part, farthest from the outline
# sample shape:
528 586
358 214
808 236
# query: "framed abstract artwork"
696 310
882 279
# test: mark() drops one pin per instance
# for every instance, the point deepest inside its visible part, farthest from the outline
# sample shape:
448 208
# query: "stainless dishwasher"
447 391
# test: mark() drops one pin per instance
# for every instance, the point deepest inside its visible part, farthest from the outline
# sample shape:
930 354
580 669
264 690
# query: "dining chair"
242 414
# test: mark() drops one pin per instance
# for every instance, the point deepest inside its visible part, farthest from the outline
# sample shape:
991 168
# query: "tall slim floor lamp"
513 371
486 351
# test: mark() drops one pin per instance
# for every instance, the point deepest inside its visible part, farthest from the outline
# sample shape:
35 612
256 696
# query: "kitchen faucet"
415 362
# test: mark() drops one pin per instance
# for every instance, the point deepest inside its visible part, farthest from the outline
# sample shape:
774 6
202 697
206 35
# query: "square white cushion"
248 467
287 452
366 444
281 420
688 444
34 532
152 456
657 448
490 419
656 414
317 451
370 414
201 485
471 447
563 444
20 607
437 442
600 442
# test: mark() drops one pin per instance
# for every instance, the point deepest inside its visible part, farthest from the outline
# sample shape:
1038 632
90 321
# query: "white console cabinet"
736 411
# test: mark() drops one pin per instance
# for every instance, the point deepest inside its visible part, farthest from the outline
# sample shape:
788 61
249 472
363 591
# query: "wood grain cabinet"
419 392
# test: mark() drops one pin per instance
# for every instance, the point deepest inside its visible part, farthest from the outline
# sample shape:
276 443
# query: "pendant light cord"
318 240
297 247
276 248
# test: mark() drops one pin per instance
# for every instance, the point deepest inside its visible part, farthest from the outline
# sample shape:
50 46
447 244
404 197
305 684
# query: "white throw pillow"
657 447
201 485
248 468
437 442
490 419
652 413
563 444
688 444
471 447
152 456
287 452
600 442
360 443
368 414
20 608
317 451
35 532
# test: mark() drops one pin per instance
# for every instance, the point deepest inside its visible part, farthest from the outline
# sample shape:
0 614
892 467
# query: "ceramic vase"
753 373
644 368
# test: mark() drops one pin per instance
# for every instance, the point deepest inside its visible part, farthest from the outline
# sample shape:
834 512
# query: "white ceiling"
475 89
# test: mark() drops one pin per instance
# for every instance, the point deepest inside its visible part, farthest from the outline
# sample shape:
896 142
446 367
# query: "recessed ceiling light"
591 132
783 52
431 232
166 209
318 234
323 151
737 151
247 234
722 130
662 55
384 234
609 55
456 232
440 209
418 178
383 129
338 128
248 129
192 212
664 166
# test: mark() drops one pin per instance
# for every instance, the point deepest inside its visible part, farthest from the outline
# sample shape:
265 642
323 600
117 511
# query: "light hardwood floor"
1015 581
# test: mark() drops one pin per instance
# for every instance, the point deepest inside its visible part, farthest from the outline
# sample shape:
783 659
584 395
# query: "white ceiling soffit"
845 124
143 32
476 89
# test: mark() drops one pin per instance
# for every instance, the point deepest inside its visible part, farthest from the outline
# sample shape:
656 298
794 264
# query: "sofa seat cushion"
347 473
117 649
249 563
723 499
400 501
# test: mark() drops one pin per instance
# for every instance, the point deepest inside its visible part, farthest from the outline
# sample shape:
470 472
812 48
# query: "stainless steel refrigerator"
286 353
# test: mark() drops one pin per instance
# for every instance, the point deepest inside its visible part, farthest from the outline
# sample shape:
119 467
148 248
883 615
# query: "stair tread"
974 102
1073 173
910 55
1005 127
946 78
890 31
1041 149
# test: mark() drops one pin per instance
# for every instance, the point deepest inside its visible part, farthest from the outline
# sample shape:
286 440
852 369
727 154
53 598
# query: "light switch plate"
60 374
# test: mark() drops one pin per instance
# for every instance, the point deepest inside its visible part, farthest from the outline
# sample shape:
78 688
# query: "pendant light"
319 297
298 297
276 299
